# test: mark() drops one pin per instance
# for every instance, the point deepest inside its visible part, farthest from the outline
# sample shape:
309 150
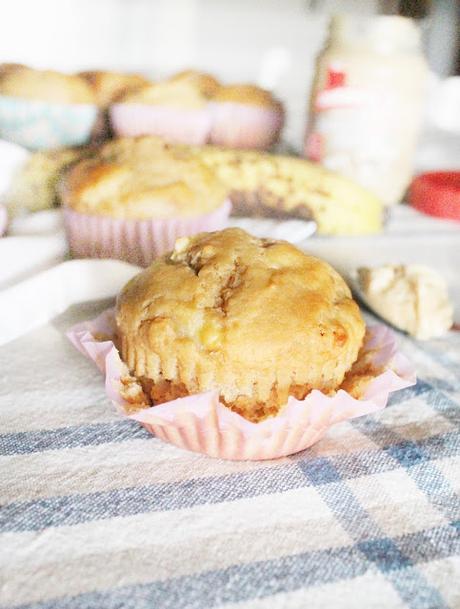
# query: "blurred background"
271 42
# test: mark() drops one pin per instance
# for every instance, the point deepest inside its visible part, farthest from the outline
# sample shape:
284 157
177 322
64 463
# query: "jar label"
365 133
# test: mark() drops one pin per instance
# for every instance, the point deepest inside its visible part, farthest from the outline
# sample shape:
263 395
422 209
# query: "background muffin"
134 207
207 84
34 186
45 109
194 108
175 109
184 93
245 116
44 85
258 320
107 87
166 188
10 67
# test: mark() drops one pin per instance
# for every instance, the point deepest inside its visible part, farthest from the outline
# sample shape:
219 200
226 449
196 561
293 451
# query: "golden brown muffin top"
44 85
11 67
256 319
246 94
182 93
192 89
207 84
109 86
141 148
139 187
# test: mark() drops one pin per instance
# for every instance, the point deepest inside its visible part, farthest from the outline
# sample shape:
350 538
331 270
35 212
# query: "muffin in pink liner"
242 126
135 241
241 348
3 219
244 116
181 125
193 108
201 423
134 208
175 109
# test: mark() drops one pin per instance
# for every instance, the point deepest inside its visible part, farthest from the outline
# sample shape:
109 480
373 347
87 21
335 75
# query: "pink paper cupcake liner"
243 126
221 123
202 424
135 241
182 125
3 219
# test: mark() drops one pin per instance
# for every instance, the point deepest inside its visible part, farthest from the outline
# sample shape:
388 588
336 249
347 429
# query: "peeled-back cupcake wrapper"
187 126
220 123
39 124
3 219
244 126
203 424
135 241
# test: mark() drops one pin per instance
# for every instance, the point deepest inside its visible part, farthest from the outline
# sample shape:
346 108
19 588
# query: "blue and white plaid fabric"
98 514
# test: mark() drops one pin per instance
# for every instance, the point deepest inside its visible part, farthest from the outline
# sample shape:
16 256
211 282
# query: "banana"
275 185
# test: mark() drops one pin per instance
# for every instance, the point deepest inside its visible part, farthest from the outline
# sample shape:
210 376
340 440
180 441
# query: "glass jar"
367 102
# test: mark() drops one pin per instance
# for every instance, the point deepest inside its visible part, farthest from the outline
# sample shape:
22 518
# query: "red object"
335 78
437 193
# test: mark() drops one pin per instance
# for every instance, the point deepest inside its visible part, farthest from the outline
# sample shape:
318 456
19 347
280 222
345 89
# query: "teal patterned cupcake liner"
39 124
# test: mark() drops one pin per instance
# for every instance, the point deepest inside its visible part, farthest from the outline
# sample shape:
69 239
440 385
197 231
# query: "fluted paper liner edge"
203 424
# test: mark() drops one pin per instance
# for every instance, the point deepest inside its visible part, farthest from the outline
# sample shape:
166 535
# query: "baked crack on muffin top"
256 319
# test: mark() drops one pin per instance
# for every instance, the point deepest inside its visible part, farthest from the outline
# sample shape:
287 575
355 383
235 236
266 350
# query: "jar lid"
382 33
437 193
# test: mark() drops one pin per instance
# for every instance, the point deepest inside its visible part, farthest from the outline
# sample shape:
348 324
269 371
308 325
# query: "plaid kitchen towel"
98 514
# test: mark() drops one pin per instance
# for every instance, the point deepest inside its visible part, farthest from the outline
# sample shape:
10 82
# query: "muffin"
134 208
44 85
255 319
107 87
184 93
206 84
241 348
245 116
45 109
194 108
175 109
10 67
34 186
